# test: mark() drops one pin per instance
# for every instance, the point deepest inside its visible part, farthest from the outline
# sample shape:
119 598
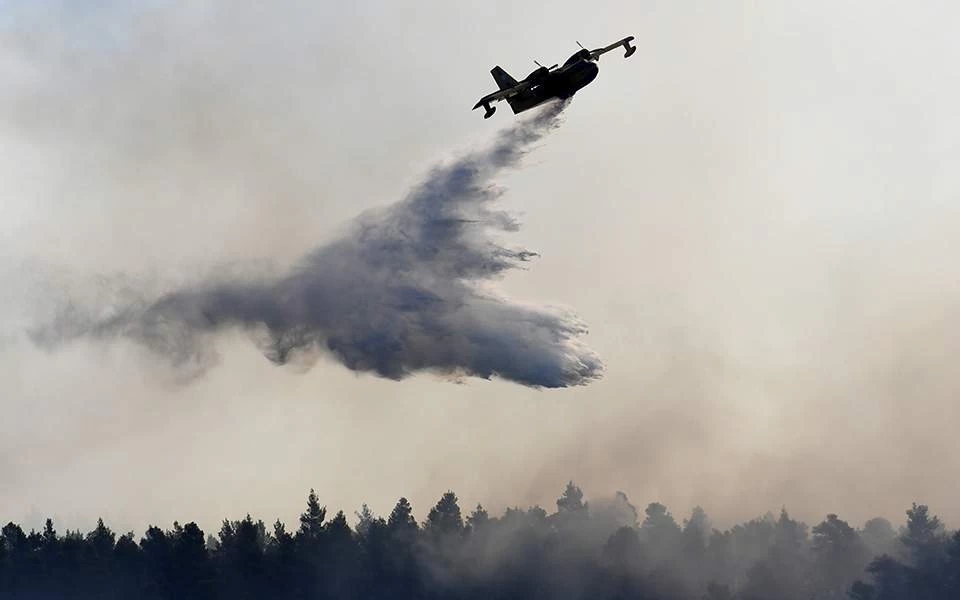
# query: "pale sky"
757 215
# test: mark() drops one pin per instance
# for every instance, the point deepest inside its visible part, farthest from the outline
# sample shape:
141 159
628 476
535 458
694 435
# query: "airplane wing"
625 42
504 94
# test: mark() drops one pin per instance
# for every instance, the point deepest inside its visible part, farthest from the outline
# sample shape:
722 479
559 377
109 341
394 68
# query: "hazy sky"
757 215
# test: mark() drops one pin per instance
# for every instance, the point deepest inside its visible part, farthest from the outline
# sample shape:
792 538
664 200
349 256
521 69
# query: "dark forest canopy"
607 549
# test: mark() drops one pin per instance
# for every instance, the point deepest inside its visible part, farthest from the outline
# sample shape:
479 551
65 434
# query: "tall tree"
130 572
193 575
696 532
401 574
341 555
242 547
445 518
101 541
923 537
839 558
693 547
784 573
282 563
18 564
478 519
660 532
365 519
158 562
571 501
311 520
49 535
401 519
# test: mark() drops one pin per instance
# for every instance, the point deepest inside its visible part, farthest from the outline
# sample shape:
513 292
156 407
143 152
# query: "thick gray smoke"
401 292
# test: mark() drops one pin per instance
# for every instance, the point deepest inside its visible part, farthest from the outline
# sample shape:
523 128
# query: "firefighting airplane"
546 84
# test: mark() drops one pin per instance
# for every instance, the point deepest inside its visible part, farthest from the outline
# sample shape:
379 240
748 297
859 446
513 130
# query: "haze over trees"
605 549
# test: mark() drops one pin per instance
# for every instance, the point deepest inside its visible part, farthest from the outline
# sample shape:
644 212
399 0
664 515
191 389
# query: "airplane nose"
590 73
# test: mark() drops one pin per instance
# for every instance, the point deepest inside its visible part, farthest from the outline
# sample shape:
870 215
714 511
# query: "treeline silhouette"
604 550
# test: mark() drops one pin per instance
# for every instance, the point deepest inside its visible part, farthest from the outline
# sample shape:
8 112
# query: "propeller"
592 57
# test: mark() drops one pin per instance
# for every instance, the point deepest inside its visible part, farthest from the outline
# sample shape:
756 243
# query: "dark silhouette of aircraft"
546 84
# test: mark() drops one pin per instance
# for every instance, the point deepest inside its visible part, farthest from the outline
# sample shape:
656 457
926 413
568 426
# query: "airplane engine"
629 50
489 112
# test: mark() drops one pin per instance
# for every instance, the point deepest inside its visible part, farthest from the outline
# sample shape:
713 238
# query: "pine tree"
478 519
311 521
193 574
839 557
365 520
49 534
101 540
444 518
337 529
660 531
923 537
157 556
572 500
402 570
401 519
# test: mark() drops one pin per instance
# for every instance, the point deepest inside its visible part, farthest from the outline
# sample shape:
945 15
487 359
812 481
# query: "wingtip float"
544 84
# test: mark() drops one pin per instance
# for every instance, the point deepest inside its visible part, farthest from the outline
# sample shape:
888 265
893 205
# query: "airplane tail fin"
502 78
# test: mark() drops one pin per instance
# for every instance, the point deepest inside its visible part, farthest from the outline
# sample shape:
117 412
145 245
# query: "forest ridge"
602 550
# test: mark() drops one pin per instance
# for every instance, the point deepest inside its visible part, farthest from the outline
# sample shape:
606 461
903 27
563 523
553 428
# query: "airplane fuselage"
562 83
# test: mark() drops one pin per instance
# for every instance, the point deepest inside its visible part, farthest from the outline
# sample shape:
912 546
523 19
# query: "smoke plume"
403 291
